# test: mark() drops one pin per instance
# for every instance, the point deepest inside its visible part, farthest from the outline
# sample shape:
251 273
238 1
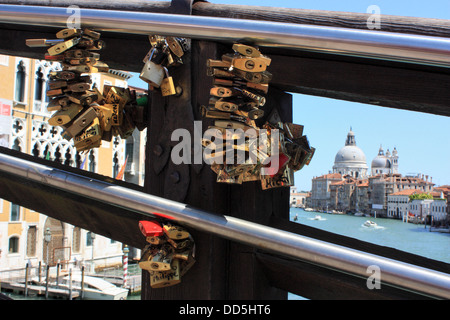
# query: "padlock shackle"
396 273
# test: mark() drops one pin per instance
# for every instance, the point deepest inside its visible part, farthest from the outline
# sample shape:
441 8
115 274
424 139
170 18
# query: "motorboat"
95 288
370 224
358 214
309 209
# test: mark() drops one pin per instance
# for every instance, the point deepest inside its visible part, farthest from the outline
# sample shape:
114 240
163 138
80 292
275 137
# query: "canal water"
414 238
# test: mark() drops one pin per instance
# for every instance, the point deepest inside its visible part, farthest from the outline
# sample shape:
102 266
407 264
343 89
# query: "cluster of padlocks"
240 82
86 115
169 254
165 52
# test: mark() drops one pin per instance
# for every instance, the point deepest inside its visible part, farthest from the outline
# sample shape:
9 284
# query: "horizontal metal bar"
395 273
343 41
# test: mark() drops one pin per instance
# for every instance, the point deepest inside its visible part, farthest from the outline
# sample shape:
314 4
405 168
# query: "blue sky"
421 139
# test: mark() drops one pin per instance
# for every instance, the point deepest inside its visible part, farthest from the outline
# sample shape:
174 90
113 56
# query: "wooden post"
223 269
46 281
27 268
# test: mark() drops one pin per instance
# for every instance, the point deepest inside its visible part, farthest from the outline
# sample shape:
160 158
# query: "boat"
296 217
309 209
358 214
370 224
95 288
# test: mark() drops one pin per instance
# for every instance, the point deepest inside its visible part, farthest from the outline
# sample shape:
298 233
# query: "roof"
330 176
405 192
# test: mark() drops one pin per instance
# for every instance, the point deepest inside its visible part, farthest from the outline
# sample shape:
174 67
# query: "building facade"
349 189
25 128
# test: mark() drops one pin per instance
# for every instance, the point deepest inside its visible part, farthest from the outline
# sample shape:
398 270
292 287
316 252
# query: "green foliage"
420 196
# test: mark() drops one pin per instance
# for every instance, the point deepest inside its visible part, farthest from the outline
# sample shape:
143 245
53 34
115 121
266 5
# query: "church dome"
351 154
381 161
350 159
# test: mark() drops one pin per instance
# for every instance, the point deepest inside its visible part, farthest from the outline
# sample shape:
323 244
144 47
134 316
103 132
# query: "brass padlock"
42 42
81 122
104 113
83 98
67 33
78 87
80 53
246 50
63 46
222 92
116 115
175 46
65 115
223 105
92 34
165 279
175 232
88 136
167 86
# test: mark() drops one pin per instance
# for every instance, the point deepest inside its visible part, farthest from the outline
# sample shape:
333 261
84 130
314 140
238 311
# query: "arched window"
20 82
115 165
38 87
13 246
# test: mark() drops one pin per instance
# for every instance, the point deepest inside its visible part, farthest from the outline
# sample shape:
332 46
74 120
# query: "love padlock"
152 73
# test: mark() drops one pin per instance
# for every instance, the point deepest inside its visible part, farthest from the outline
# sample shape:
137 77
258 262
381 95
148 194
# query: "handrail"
375 44
399 274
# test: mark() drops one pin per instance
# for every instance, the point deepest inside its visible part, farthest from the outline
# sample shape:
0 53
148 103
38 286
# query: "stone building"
24 127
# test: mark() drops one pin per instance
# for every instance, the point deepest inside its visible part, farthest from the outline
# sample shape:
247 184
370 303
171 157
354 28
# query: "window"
92 163
76 239
15 212
13 246
31 241
20 83
38 85
89 239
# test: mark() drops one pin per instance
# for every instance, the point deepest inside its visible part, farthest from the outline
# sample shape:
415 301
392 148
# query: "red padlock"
282 162
151 228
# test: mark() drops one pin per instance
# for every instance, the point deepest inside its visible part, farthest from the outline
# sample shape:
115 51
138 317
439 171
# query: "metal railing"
395 273
343 41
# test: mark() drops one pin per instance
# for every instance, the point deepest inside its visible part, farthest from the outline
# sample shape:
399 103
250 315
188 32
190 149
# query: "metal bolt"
175 177
158 150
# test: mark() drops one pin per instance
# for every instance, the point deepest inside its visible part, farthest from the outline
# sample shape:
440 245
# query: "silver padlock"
152 73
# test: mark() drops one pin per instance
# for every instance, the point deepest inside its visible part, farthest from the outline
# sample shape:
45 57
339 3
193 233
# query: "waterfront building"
297 199
349 189
320 191
381 186
24 127
398 204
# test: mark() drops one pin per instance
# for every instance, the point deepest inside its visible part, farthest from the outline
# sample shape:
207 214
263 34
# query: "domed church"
385 163
350 159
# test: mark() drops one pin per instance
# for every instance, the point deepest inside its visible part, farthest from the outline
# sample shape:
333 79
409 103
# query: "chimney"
426 177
